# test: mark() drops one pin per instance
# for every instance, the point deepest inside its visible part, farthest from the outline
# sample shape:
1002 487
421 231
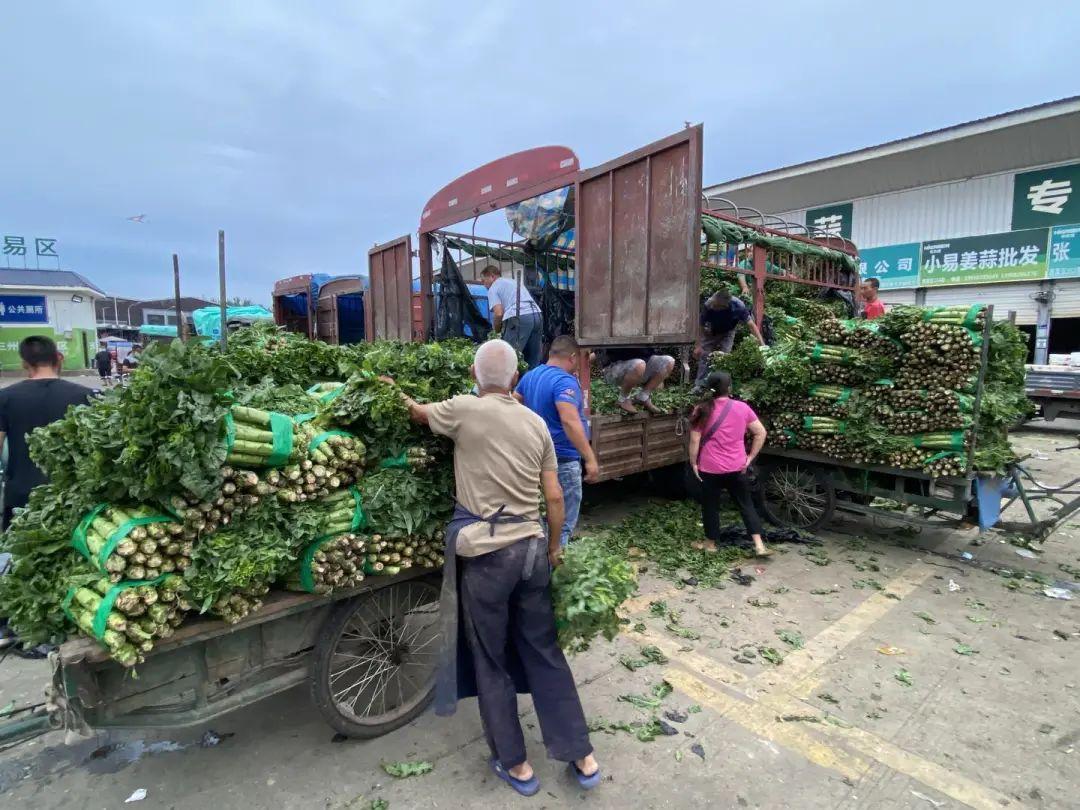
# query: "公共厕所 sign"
23 309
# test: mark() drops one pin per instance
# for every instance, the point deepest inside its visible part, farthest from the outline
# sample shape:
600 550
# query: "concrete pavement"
989 717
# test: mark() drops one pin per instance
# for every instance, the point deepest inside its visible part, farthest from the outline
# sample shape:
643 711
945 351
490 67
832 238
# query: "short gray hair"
495 363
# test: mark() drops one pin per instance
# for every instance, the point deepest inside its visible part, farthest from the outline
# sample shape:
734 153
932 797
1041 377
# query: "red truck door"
389 297
638 233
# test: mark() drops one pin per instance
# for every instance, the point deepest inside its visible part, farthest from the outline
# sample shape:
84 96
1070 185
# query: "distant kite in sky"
140 218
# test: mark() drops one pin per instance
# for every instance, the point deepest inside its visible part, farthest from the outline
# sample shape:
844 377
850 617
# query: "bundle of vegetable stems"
146 552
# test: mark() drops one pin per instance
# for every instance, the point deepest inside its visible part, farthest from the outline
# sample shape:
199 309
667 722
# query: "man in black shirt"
103 363
720 316
32 403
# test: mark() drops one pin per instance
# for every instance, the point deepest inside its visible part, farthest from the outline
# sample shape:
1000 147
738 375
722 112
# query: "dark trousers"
738 486
507 610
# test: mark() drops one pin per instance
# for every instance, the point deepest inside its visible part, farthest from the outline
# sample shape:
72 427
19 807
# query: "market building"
56 303
987 211
122 317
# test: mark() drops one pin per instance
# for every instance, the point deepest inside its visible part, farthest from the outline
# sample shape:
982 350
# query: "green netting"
720 231
549 261
395 461
307 579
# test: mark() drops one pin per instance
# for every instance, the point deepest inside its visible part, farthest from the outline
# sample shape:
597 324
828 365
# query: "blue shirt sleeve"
568 390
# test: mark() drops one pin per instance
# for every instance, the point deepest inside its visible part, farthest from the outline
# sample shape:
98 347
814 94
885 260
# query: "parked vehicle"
295 300
624 271
1055 389
340 310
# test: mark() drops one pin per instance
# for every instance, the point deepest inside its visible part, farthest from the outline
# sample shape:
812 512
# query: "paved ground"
832 726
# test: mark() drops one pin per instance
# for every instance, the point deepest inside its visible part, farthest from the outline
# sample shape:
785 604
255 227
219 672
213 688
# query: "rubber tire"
823 481
320 673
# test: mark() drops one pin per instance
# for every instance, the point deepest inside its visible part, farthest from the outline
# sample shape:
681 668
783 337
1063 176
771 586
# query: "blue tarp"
208 319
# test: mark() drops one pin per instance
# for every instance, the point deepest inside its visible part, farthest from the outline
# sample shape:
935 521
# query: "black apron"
456 677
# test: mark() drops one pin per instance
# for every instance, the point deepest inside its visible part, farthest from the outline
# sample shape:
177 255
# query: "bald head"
495 366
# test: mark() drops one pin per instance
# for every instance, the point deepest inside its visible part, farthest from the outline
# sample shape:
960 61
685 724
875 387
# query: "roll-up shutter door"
891 298
1004 297
1066 299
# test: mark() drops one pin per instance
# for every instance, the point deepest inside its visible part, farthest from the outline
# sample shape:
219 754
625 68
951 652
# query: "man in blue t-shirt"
721 314
553 392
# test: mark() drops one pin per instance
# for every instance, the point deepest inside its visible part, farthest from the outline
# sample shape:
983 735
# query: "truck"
1055 389
295 303
625 270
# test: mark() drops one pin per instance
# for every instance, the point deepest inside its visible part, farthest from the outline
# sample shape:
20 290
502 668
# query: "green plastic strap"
78 536
941 455
845 395
841 427
957 439
101 616
359 518
299 419
972 315
326 434
808 422
230 431
122 531
917 440
281 425
105 606
401 460
885 382
967 402
307 581
816 354
792 438
814 389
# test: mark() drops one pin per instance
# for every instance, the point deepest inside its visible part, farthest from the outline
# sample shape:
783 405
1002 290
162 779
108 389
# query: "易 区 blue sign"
23 309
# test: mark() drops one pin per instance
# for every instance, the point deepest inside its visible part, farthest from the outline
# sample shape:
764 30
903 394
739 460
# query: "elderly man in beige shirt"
503 460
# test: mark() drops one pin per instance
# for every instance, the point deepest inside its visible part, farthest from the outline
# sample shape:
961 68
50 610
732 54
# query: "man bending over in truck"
502 640
720 317
515 315
630 368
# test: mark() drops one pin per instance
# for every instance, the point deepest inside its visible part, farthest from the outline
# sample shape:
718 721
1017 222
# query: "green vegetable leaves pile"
587 589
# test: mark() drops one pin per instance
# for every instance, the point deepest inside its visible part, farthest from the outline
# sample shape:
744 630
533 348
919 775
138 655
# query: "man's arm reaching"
556 513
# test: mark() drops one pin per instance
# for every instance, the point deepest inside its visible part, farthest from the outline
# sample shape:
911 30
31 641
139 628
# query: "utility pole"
221 286
181 330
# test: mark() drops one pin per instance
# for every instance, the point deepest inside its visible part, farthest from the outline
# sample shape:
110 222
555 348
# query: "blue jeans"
570 481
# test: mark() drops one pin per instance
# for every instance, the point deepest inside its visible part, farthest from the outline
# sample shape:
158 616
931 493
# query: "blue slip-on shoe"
587 782
526 787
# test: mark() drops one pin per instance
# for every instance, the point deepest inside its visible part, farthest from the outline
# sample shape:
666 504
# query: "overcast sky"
309 135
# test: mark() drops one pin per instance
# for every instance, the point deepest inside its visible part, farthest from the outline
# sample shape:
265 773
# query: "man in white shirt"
514 314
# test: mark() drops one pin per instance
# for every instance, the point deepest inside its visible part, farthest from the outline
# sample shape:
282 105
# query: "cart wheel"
795 496
376 658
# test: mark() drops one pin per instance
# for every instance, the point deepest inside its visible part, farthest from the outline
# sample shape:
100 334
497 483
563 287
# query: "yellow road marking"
754 704
761 720
696 662
860 749
801 666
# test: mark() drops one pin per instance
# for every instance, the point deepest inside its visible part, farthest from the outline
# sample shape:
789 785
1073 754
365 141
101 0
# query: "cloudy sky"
310 131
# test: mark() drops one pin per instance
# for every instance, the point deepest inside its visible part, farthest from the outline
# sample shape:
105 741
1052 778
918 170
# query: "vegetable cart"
369 655
803 489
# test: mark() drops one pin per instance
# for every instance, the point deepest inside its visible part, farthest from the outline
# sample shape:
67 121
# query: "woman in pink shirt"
718 456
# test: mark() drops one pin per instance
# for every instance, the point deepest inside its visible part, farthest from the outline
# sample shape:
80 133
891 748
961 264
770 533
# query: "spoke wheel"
797 497
376 659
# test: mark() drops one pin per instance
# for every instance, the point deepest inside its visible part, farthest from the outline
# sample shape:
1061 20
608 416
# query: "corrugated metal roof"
1041 135
16 276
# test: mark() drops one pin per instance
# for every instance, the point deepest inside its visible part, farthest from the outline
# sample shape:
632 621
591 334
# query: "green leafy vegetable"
403 770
